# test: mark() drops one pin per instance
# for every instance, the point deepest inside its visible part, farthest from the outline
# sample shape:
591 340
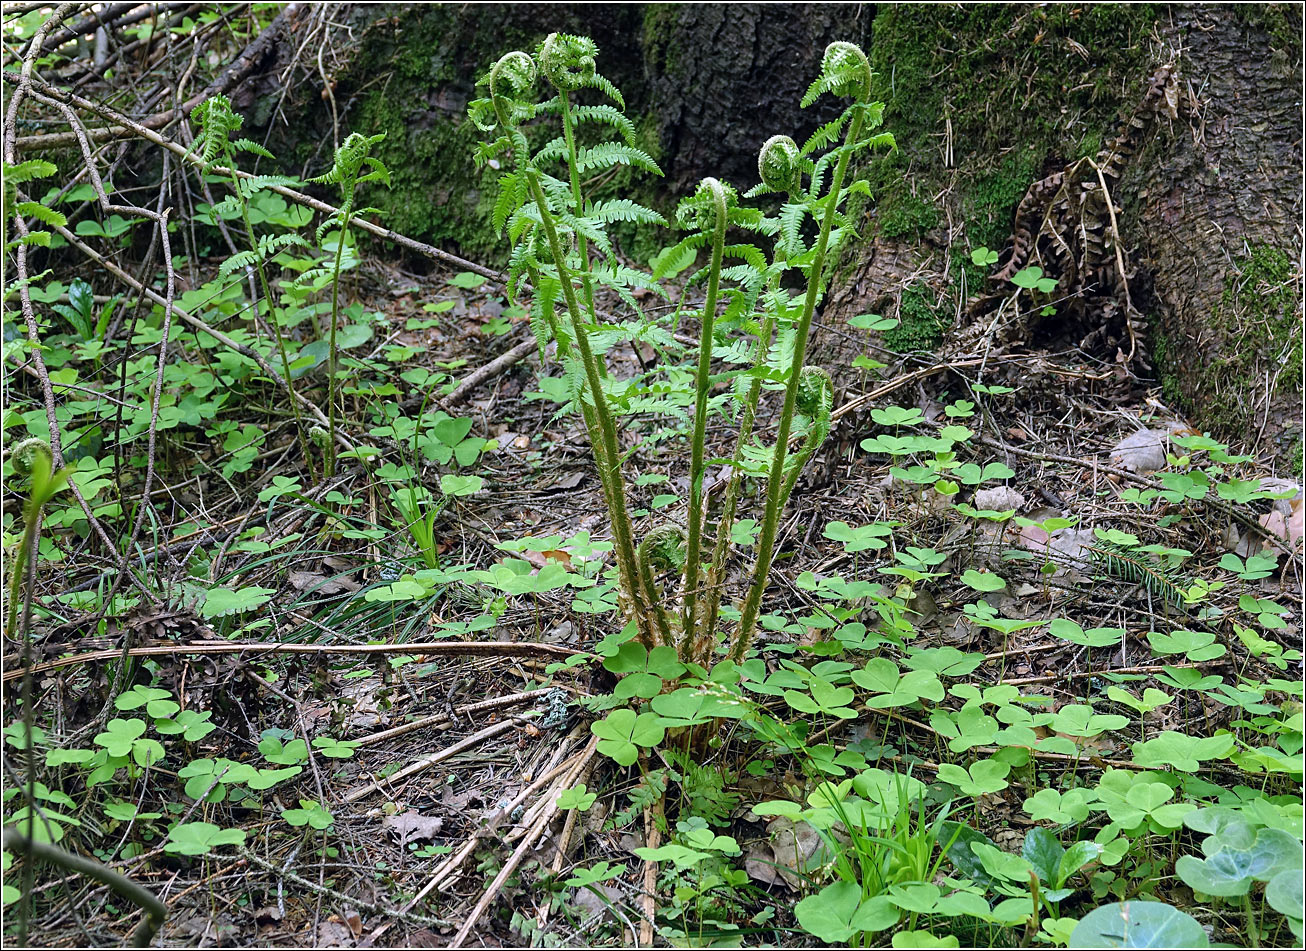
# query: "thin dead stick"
442 720
564 839
493 368
436 758
520 853
1052 678
898 381
452 864
239 68
351 900
653 839
525 823
150 135
492 648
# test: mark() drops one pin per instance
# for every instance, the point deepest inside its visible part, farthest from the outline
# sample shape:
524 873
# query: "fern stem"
703 385
573 167
332 356
715 578
266 288
610 458
776 477
595 437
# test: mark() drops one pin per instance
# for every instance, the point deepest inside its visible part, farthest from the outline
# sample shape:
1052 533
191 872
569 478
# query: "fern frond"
623 209
555 150
825 135
512 195
247 145
239 260
607 116
607 154
34 209
691 243
249 187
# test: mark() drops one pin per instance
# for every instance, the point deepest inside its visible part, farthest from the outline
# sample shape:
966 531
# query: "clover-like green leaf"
275 750
310 813
577 797
599 872
333 748
192 725
621 733
985 776
200 838
119 735
837 912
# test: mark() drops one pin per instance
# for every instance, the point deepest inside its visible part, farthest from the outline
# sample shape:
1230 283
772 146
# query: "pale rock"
1142 451
999 499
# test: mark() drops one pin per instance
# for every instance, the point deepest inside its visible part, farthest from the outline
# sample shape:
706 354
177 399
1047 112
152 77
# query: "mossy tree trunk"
986 100
1215 210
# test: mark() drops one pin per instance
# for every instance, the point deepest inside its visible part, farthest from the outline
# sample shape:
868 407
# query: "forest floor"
1029 665
444 754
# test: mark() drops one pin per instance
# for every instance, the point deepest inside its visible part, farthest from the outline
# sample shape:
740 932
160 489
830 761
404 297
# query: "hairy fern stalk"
748 321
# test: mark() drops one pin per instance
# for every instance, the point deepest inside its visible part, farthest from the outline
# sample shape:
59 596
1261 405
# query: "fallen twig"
495 648
519 854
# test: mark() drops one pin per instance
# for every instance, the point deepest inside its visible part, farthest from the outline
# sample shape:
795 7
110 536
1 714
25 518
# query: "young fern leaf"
269 245
512 195
605 115
845 72
247 145
825 135
606 155
623 209
216 121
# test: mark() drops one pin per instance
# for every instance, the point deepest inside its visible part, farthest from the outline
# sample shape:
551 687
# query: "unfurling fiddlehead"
347 173
512 76
779 164
662 549
510 80
707 210
567 61
846 72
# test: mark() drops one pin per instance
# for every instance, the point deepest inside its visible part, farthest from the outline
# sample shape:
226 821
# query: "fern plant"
217 122
353 166
747 319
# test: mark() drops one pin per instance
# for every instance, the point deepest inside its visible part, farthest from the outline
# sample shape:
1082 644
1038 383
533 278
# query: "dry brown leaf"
411 826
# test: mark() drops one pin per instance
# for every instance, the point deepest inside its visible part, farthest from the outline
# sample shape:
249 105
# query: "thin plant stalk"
621 526
265 287
703 386
332 354
726 523
573 168
776 477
